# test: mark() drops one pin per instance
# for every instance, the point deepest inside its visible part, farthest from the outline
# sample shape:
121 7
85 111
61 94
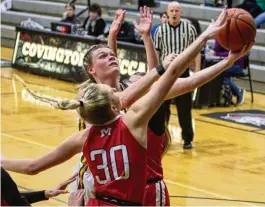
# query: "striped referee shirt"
169 39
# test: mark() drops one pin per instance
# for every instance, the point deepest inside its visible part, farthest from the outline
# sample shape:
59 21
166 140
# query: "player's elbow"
126 102
32 169
192 84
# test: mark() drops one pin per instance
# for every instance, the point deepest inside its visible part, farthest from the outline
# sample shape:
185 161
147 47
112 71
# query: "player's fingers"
248 47
62 191
222 17
151 15
145 11
148 12
226 24
141 12
122 16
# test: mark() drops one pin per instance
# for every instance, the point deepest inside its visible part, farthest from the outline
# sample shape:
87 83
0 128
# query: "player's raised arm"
185 85
142 110
143 28
115 28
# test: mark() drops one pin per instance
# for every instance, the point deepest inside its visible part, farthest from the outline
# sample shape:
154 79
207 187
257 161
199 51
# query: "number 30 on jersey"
105 165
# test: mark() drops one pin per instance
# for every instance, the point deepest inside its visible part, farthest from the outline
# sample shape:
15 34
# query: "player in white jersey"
85 180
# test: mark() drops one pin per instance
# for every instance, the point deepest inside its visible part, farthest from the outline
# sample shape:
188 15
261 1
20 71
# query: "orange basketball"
239 32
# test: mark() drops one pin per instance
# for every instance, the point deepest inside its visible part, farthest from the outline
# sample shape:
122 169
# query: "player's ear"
114 108
90 69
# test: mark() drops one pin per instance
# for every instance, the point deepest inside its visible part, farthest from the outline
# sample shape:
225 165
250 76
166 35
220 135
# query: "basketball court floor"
227 162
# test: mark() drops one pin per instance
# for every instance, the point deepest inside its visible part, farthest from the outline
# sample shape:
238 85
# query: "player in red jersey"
99 75
100 106
156 193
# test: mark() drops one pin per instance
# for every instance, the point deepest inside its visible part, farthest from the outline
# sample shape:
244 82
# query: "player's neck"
115 117
112 83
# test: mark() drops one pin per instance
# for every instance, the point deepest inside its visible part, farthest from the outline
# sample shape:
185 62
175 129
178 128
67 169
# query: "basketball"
239 32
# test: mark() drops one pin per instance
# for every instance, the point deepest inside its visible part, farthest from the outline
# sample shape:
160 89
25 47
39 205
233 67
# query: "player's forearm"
138 88
184 59
204 76
112 43
198 62
189 84
152 58
23 166
158 55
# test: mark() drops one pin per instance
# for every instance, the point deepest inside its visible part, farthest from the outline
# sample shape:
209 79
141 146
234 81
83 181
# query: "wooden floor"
227 162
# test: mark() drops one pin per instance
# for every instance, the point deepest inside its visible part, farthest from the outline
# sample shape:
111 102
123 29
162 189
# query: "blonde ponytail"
94 105
65 104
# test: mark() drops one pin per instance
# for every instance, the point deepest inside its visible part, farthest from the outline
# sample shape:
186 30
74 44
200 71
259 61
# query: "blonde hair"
94 105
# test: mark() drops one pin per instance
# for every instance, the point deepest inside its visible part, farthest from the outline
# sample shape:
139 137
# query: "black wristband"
160 69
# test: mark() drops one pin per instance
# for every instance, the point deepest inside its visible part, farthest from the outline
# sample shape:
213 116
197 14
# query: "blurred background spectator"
69 15
94 24
214 3
6 5
254 7
260 19
234 71
218 3
148 3
163 19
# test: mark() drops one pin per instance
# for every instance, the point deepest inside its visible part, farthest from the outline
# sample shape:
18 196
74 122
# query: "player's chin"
114 71
115 68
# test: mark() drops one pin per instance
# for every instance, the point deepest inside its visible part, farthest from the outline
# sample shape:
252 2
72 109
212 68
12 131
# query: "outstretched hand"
217 25
235 55
60 189
117 22
146 18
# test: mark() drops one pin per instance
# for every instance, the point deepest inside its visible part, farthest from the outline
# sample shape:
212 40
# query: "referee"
174 37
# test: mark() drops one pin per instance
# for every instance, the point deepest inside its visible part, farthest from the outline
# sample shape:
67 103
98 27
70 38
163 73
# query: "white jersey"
84 179
87 182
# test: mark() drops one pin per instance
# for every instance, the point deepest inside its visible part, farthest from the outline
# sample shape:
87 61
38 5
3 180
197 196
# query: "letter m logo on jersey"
105 132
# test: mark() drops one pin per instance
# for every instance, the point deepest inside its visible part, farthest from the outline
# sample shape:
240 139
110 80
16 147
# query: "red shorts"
156 194
96 202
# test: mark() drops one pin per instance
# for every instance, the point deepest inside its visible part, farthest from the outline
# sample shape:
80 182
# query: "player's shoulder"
83 134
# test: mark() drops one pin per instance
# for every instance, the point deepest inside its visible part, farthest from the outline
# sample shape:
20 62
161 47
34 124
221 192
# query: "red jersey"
117 162
154 155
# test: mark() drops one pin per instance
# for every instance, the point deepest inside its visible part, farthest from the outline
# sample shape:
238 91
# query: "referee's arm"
193 37
158 41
